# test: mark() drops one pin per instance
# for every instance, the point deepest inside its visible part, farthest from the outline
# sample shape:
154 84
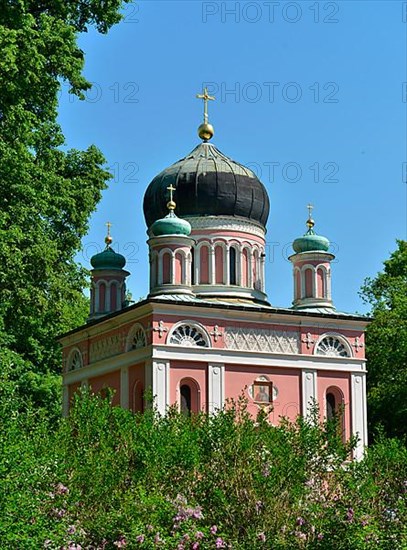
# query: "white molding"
228 223
358 412
216 387
257 359
124 387
309 390
109 364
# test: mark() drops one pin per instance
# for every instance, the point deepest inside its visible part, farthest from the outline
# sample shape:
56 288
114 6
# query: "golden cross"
310 209
108 225
206 97
171 189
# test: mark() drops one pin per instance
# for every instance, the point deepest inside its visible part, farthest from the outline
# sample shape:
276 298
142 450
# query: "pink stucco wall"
136 386
219 265
238 378
342 382
109 380
180 370
204 265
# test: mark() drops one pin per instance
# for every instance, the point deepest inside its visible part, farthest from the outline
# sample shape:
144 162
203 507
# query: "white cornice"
257 359
166 352
229 223
103 327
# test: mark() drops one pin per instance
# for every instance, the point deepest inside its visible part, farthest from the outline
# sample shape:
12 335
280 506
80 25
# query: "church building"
206 331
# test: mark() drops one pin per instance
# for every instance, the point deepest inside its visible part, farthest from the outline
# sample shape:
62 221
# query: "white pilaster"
216 387
262 271
124 387
161 385
65 400
359 412
249 269
212 270
309 391
227 266
172 268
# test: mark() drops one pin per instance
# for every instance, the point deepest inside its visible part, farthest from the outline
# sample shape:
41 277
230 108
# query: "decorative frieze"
106 347
263 340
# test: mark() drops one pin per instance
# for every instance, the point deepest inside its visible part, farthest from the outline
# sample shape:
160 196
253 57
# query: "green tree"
386 345
47 192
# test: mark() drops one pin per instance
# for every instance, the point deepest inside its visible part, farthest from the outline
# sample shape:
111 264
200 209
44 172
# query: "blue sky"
308 94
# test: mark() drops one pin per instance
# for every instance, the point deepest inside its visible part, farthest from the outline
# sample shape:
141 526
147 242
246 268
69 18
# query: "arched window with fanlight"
332 345
190 334
74 360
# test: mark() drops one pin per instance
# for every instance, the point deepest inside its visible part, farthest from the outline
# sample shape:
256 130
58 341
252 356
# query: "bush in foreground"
105 478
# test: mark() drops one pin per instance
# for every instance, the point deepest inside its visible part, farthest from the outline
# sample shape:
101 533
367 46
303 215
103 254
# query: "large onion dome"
208 183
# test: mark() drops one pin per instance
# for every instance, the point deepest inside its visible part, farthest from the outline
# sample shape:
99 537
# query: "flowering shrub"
104 478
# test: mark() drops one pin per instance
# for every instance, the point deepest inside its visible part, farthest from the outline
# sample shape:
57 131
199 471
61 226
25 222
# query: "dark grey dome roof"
207 183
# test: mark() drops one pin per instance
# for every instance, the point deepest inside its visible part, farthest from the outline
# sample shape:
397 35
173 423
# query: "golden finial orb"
206 131
310 222
171 205
108 238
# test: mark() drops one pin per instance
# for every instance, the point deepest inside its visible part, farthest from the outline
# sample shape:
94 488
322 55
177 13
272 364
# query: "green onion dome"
108 259
311 242
170 225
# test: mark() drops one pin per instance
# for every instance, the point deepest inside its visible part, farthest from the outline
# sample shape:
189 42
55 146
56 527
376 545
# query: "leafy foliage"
104 478
386 345
46 193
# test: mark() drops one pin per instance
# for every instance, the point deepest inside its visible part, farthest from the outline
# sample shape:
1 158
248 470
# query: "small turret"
108 288
170 253
312 269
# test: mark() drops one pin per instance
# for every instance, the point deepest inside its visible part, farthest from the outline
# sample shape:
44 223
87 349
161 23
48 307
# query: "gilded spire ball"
108 238
310 221
205 130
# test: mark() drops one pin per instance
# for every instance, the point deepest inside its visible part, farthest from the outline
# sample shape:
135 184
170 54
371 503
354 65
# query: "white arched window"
332 345
74 360
136 338
189 333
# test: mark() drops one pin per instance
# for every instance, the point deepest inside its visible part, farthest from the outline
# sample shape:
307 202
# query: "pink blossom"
300 521
213 530
199 535
349 514
301 536
258 506
140 539
320 536
261 537
220 543
121 542
60 489
73 546
71 530
195 546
